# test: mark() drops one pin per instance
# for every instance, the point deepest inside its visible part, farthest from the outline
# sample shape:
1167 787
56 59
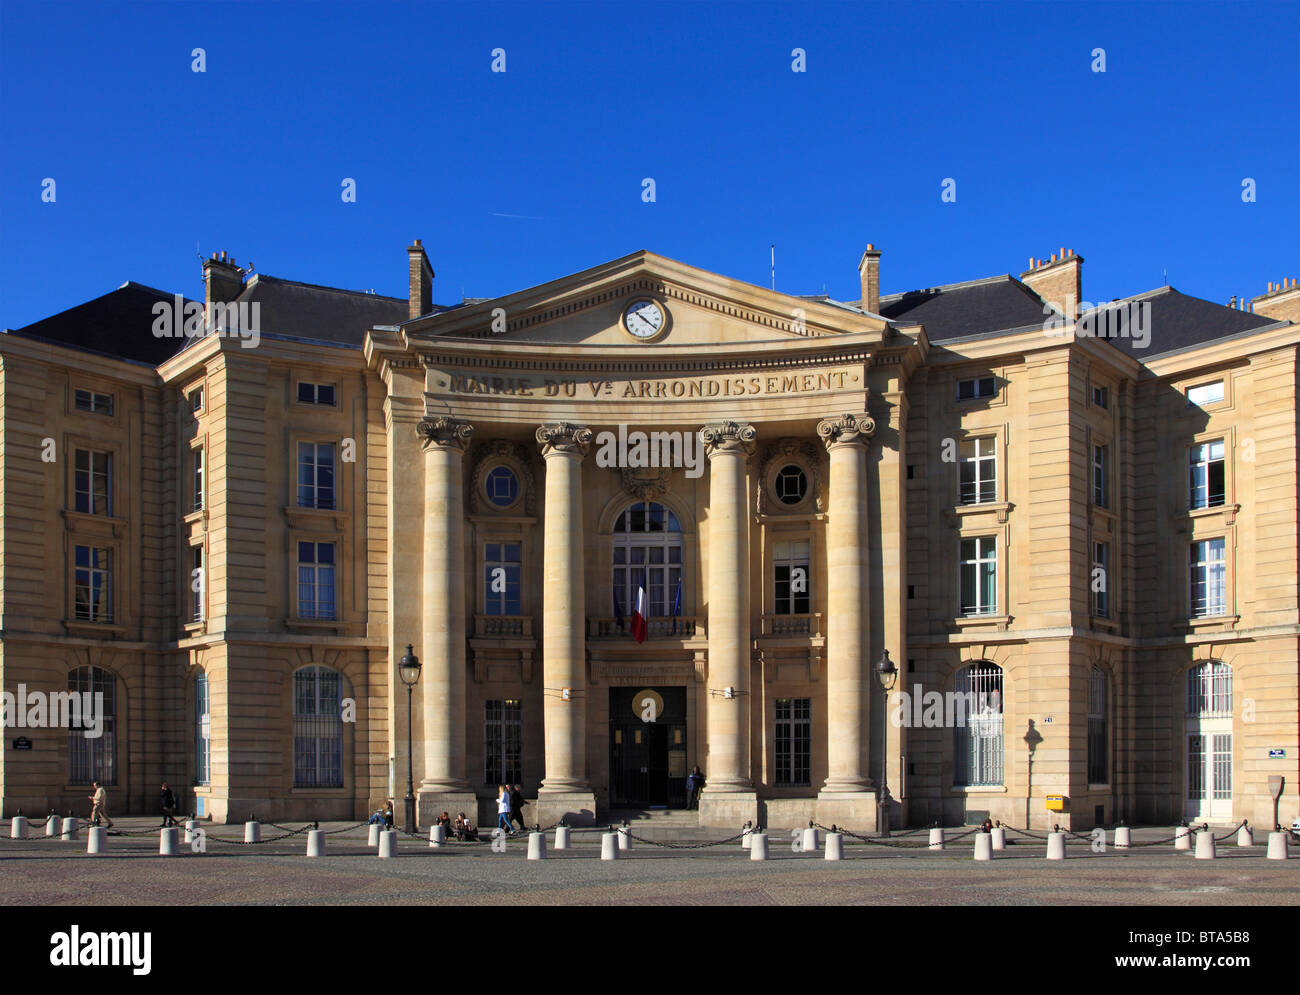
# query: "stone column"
442 682
847 797
564 792
728 798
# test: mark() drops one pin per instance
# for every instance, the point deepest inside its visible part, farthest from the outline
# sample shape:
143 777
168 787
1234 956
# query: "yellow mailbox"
1057 803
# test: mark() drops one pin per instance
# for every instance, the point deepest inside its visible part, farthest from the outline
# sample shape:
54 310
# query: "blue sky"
1139 169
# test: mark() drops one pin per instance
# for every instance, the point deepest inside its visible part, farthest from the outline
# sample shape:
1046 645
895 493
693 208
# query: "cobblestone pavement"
130 872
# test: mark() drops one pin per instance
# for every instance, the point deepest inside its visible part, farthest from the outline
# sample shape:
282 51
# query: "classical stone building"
1071 528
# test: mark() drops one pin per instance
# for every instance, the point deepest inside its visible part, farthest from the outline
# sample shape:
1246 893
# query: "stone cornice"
728 437
444 432
846 429
563 437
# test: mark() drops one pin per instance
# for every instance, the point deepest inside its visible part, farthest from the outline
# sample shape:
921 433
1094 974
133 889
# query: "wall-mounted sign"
1276 754
22 743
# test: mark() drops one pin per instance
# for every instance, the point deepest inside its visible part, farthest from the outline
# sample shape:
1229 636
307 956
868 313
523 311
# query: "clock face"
644 319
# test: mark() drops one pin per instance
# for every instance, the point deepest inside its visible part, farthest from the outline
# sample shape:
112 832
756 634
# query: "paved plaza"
277 872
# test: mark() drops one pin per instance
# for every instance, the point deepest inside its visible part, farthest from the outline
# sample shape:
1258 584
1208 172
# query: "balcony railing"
517 626
681 627
793 625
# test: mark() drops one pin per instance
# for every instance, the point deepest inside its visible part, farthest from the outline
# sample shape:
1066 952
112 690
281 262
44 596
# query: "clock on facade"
644 319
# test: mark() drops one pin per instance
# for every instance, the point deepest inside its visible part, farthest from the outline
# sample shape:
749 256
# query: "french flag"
639 613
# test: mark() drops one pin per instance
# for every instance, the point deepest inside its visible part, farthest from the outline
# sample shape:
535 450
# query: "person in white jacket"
503 809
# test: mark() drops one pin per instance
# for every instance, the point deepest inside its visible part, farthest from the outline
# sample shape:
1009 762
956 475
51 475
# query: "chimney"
222 282
1281 303
421 273
869 271
1058 281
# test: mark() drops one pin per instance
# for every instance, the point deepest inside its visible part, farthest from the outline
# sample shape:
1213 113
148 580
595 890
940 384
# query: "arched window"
978 730
1098 745
1208 732
648 551
92 737
317 728
202 732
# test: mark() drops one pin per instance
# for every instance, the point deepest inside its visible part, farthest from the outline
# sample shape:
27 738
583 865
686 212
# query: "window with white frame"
977 741
197 479
647 550
316 580
1205 475
196 584
93 401
793 740
503 737
315 475
93 583
974 388
317 728
979 576
94 758
977 471
92 482
1101 396
1209 574
1098 741
1101 579
202 731
1101 476
790 581
315 393
501 578
1206 393
1209 690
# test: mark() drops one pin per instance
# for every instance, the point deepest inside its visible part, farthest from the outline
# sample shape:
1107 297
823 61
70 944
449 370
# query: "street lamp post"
886 674
409 670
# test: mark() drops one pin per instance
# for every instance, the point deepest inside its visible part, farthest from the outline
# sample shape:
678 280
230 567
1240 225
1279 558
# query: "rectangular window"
197 583
1098 753
94 584
1205 475
793 742
1100 581
92 482
316 580
315 475
976 388
1101 396
93 759
89 400
503 737
198 479
1101 476
1209 578
196 400
1206 393
791 577
202 732
315 393
977 471
979 576
501 578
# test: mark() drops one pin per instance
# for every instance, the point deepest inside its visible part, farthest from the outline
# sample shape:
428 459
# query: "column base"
729 809
855 810
431 804
575 807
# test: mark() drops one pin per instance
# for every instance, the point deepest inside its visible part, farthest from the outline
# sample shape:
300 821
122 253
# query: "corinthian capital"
728 437
846 429
444 432
562 437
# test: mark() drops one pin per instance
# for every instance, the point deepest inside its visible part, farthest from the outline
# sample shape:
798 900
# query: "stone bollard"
437 835
388 843
96 839
53 825
168 840
999 838
624 838
536 846
1205 845
373 831
609 846
1123 837
561 837
983 846
191 826
70 827
810 840
315 843
758 846
18 827
834 846
746 837
1277 846
1182 838
936 839
1056 846
1244 836
252 832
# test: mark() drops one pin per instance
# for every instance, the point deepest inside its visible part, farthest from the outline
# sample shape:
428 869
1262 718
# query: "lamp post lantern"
409 671
886 675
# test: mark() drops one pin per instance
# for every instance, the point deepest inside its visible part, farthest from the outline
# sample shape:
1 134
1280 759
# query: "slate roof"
118 324
964 309
1175 321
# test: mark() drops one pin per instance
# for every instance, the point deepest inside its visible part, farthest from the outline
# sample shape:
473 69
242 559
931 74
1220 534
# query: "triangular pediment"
695 307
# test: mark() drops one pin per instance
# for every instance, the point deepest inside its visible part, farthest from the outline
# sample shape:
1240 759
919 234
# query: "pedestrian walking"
517 804
99 806
503 809
168 806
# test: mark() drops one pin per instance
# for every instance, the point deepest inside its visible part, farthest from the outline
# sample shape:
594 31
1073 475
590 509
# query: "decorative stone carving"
803 454
496 453
445 432
564 437
728 436
648 484
846 429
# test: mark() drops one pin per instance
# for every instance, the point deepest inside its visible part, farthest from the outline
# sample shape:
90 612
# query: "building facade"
1071 528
